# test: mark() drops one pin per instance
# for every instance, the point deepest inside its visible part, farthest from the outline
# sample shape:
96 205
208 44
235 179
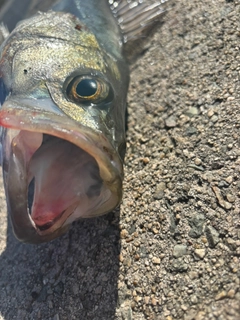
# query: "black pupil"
86 88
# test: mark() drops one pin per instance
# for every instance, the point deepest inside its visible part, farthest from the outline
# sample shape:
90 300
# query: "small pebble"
170 122
221 295
193 275
179 265
230 197
214 118
194 299
146 300
231 293
145 160
126 313
197 161
137 298
212 236
179 250
196 223
98 290
193 111
123 233
200 253
159 192
154 301
156 260
229 179
231 244
220 199
210 113
75 288
191 131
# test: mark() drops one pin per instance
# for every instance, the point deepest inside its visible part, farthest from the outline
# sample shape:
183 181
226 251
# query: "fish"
64 77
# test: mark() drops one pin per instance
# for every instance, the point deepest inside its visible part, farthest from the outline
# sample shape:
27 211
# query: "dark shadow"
72 277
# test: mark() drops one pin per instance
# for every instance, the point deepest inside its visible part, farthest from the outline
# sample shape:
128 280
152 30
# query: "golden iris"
87 89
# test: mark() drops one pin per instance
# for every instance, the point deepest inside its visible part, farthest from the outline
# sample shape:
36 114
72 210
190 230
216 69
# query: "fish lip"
12 116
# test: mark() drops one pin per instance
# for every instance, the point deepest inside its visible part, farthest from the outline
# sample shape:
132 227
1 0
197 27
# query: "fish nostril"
31 188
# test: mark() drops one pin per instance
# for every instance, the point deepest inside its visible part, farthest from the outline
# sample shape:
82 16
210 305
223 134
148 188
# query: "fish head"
63 125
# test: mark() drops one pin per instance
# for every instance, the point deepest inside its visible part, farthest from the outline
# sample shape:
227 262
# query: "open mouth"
62 179
54 176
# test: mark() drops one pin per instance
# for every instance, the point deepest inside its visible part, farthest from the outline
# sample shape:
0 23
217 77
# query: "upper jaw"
17 117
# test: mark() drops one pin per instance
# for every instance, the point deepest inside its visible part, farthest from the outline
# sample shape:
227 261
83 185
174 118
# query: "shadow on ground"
72 275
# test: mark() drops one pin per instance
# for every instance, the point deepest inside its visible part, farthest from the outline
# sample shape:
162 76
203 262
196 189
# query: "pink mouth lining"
64 176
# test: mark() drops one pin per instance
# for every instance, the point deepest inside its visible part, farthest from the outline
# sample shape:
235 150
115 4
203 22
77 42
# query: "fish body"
63 87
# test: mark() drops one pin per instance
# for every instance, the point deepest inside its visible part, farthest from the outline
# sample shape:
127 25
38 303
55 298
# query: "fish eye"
86 89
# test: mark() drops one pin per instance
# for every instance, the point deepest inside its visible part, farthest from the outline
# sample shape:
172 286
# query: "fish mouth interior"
63 181
62 177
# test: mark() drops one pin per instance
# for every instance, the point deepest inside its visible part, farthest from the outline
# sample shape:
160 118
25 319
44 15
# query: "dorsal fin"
4 33
137 20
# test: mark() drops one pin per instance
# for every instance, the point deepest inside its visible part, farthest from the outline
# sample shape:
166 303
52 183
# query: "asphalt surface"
172 250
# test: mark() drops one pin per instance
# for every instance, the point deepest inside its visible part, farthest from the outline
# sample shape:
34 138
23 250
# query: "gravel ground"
172 251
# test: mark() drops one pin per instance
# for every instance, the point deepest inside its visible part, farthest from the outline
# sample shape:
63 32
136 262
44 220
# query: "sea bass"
64 78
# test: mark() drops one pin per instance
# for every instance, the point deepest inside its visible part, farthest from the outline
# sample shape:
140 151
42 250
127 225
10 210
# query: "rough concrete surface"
172 250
